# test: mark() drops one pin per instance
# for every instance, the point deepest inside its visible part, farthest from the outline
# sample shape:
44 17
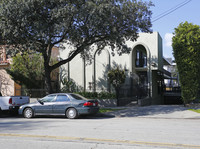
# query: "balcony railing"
5 63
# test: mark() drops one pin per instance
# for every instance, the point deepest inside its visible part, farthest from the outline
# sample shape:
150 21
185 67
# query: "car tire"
28 113
71 113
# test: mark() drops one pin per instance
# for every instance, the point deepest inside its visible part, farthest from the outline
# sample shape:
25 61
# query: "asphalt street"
132 128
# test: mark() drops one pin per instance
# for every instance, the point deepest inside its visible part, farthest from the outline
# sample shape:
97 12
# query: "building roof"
166 61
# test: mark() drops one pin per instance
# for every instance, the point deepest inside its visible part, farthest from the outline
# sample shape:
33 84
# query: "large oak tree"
41 24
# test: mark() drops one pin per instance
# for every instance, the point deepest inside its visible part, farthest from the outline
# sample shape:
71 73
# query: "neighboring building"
143 65
10 88
172 81
7 86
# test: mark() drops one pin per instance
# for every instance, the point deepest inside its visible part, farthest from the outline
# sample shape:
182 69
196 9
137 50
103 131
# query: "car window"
62 98
78 97
49 98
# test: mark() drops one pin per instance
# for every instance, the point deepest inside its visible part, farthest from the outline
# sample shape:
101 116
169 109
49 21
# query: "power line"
171 10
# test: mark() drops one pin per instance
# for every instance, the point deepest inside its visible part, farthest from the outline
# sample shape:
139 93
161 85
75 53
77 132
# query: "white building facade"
143 66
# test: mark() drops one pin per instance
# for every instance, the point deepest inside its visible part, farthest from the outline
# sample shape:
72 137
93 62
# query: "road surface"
99 133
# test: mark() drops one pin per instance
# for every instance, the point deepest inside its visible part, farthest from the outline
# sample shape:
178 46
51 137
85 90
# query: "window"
140 56
61 98
78 97
49 98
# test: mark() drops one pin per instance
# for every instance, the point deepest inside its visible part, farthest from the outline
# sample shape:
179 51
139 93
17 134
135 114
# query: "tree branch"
77 51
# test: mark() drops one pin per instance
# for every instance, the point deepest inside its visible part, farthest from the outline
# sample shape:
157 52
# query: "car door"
60 105
45 106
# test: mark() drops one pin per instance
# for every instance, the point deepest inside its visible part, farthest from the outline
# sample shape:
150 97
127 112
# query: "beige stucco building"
7 86
143 65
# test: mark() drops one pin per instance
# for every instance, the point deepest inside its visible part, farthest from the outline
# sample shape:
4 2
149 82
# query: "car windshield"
78 97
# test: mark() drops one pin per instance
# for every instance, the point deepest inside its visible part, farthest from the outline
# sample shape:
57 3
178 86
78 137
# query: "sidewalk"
156 111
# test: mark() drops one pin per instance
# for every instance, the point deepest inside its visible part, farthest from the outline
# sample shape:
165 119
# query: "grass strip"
104 110
195 110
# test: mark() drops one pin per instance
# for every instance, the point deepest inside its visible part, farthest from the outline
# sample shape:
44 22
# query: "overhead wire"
158 17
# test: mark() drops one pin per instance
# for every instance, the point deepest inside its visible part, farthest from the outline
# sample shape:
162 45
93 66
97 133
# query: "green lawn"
198 110
104 110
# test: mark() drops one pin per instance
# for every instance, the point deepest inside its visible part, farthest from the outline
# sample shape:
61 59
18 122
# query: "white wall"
152 42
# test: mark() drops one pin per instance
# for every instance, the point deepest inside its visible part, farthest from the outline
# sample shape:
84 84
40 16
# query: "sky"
166 24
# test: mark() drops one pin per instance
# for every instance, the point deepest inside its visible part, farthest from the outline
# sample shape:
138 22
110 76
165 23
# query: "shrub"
101 95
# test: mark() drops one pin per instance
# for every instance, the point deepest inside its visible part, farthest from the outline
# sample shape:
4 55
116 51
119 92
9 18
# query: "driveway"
156 111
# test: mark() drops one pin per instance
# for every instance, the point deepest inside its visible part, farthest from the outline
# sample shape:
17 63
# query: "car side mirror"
42 103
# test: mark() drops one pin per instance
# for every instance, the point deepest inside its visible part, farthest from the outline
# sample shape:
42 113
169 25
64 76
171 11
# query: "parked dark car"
69 104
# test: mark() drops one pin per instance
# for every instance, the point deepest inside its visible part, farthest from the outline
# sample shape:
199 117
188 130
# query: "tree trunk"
48 84
48 81
46 53
117 95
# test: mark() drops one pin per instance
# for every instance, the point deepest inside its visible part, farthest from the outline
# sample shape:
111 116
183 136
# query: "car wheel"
28 113
71 113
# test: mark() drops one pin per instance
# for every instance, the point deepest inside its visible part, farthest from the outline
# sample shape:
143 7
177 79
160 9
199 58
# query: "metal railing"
32 93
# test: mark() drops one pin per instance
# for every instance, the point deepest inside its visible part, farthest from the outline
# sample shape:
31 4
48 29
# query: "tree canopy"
41 24
186 50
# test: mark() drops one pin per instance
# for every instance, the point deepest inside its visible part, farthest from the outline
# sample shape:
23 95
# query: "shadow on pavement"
173 111
148 110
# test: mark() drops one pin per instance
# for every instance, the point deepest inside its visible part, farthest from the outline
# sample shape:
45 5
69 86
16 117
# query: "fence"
33 93
125 92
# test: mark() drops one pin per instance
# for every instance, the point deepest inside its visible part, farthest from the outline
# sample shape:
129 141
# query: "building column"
68 71
94 73
84 75
149 73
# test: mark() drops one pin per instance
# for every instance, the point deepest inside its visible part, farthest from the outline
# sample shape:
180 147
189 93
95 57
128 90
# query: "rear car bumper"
88 110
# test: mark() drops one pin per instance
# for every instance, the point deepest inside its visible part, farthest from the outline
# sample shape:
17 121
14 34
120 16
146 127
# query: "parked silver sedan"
69 104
